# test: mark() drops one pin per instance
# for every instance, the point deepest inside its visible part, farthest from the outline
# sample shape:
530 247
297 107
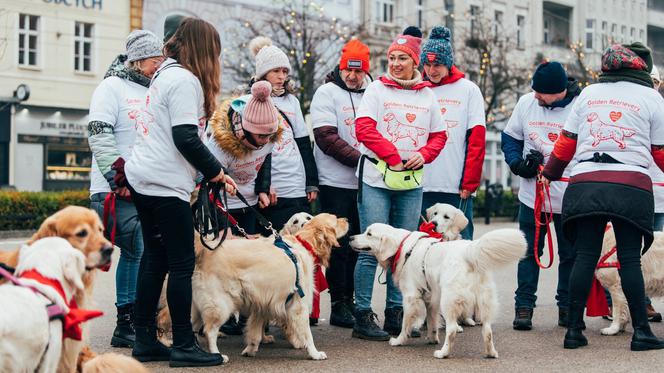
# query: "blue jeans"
129 239
528 270
400 209
659 221
431 198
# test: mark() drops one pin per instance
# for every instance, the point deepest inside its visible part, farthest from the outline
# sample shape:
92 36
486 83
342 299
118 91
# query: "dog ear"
386 249
460 222
46 229
74 268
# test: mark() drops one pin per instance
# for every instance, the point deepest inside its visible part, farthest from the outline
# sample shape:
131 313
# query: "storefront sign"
49 122
86 4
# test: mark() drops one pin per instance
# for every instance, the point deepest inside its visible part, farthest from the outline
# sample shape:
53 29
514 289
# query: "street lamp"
21 93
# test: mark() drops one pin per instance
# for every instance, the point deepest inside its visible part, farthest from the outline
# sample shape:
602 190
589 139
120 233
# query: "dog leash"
206 220
542 197
110 212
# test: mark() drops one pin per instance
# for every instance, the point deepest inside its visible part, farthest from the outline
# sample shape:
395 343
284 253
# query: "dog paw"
268 339
225 358
492 354
468 322
248 353
610 331
319 355
459 329
395 342
440 354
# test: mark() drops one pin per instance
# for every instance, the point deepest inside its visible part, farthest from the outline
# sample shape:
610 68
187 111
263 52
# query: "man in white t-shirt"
333 111
455 174
527 142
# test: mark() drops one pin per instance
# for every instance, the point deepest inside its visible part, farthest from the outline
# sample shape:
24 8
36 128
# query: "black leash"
206 219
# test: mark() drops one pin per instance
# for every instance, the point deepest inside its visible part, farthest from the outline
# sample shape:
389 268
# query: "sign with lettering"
86 4
47 122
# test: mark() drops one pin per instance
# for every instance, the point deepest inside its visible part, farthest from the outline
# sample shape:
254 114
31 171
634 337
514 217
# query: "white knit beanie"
267 56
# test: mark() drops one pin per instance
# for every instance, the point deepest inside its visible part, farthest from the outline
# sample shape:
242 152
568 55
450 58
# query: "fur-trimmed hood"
222 131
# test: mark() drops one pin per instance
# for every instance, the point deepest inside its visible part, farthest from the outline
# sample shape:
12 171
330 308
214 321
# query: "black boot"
342 314
233 326
147 347
124 334
187 353
574 337
643 339
523 319
563 317
366 328
393 319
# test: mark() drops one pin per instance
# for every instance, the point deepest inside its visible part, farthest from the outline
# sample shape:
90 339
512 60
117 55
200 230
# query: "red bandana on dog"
72 322
430 229
320 282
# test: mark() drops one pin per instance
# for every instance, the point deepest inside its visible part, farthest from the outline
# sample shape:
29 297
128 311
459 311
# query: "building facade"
60 49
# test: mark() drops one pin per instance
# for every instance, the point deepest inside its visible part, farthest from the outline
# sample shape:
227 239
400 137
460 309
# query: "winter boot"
234 326
187 353
563 317
393 319
523 319
653 316
574 337
147 347
342 314
366 328
124 334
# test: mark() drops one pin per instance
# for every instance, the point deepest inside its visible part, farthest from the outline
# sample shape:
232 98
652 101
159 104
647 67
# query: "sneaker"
366 328
523 319
653 316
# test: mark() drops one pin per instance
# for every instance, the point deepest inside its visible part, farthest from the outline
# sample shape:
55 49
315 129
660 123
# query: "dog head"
84 231
323 232
380 240
295 223
113 363
57 259
447 220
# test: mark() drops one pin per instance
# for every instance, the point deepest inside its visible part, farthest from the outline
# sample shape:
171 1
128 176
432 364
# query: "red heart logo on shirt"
443 111
410 117
615 115
553 136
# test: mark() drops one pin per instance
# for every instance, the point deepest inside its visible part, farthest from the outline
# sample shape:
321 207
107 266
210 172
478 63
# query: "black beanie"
171 24
549 77
412 31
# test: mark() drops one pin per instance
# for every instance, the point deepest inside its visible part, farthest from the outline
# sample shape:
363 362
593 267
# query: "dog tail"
496 249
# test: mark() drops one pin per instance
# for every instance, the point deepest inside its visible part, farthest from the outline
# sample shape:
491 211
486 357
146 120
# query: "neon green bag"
400 180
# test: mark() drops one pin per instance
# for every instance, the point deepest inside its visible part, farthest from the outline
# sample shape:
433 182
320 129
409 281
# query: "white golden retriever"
652 266
29 342
256 278
295 223
447 220
449 277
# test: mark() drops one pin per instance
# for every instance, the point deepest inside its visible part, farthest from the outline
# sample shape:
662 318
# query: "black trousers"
588 246
168 232
342 203
283 210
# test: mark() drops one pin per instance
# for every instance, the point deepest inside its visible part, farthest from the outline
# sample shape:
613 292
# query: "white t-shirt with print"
288 176
539 127
118 102
242 170
403 117
336 107
156 167
620 119
462 108
657 177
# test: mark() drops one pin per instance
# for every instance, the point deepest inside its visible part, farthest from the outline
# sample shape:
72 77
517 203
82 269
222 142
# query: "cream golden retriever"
453 277
84 230
29 341
114 363
256 278
447 220
295 223
652 266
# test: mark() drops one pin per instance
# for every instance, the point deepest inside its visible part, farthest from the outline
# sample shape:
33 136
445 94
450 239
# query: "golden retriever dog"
257 278
295 223
652 266
29 341
433 276
84 230
114 363
447 220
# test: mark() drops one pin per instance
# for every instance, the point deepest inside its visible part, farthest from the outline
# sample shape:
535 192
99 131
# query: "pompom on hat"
438 48
268 56
409 43
259 116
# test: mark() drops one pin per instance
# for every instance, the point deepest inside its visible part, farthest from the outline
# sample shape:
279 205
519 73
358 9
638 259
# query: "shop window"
65 163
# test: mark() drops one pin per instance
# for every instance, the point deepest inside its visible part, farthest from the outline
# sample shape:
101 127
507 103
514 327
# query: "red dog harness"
320 282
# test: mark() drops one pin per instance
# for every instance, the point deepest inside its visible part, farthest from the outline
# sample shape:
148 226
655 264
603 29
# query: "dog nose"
107 251
435 223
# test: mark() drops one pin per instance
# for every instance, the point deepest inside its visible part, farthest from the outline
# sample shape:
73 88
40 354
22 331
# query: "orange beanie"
354 55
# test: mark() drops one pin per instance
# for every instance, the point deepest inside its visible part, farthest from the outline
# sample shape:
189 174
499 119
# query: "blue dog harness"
280 243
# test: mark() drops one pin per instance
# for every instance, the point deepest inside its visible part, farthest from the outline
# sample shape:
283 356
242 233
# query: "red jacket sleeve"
475 151
657 152
563 152
435 144
367 134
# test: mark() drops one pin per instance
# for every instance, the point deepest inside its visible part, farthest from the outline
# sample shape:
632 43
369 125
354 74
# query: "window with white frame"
474 21
83 38
28 40
497 23
590 34
520 32
420 13
384 11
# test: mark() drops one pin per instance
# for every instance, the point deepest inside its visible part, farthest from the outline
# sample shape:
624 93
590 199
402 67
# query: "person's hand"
229 184
273 196
542 179
416 161
263 200
312 196
219 178
123 192
397 167
464 194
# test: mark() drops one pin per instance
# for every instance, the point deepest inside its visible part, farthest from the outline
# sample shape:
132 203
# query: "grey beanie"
143 44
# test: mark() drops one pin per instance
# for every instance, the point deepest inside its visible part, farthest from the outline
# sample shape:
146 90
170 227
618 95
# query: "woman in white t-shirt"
160 174
111 133
398 126
294 173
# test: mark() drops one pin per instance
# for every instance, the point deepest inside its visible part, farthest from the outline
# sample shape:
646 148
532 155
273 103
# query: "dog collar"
397 255
72 321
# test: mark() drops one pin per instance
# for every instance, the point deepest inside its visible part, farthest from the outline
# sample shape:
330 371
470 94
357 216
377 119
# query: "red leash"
109 211
542 197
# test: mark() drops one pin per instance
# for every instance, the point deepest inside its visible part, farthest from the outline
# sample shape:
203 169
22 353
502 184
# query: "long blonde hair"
197 47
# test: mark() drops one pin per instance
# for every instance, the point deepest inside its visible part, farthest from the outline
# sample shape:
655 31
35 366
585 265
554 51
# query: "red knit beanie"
354 55
409 45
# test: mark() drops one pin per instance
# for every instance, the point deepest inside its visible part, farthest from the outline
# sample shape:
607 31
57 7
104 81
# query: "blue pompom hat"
438 48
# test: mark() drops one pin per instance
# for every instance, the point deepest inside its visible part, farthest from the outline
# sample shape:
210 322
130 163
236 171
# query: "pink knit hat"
259 116
409 45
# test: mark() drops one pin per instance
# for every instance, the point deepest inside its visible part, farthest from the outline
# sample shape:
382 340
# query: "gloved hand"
527 168
119 178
